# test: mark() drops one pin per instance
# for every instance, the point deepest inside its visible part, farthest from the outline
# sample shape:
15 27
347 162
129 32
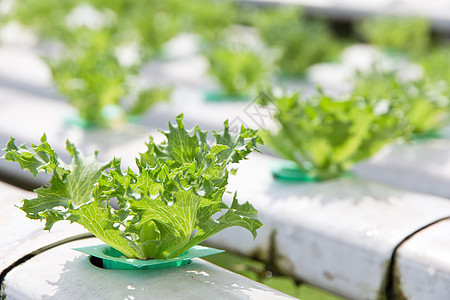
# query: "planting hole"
98 262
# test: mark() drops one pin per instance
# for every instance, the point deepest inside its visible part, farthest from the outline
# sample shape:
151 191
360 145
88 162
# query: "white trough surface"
338 235
434 10
423 264
422 166
26 117
208 115
62 273
24 66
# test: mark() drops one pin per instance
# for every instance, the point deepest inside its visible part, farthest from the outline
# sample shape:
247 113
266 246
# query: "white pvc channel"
338 234
62 273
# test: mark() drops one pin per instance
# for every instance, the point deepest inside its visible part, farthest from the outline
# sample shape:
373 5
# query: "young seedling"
423 103
236 68
170 204
45 18
99 78
208 19
326 136
399 34
436 66
299 43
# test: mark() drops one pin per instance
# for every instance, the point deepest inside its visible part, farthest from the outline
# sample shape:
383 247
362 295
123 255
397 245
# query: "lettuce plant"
411 35
150 23
237 69
436 65
130 19
423 103
45 18
93 78
208 19
91 71
300 43
171 203
325 137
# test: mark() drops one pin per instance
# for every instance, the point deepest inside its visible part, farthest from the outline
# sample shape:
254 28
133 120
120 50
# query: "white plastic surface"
422 166
423 264
338 234
62 273
434 10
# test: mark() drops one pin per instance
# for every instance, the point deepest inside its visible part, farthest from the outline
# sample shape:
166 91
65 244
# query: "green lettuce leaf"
423 102
409 35
173 202
297 42
326 136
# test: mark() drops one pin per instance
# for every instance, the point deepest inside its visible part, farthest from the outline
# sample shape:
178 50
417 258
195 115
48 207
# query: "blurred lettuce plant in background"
398 34
105 44
300 43
326 136
423 103
237 68
208 19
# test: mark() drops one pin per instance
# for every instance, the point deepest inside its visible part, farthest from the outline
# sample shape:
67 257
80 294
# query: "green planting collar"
109 114
288 170
283 76
393 52
220 96
115 260
433 134
77 121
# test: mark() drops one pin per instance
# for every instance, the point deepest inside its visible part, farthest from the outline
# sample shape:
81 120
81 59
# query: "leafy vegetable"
208 18
411 35
300 43
325 137
150 23
132 20
436 65
237 68
93 78
46 18
422 102
105 45
165 208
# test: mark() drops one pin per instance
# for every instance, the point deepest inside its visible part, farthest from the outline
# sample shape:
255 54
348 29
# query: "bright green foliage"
325 137
411 35
165 208
423 103
149 22
300 43
237 69
208 18
436 65
92 77
46 18
147 98
89 72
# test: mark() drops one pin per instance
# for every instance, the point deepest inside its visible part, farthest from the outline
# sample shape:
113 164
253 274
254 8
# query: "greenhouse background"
309 140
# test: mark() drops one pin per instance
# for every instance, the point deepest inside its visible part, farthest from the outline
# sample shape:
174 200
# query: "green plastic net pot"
115 260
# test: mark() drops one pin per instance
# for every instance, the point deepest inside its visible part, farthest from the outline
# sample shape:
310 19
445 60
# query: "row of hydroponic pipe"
99 50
